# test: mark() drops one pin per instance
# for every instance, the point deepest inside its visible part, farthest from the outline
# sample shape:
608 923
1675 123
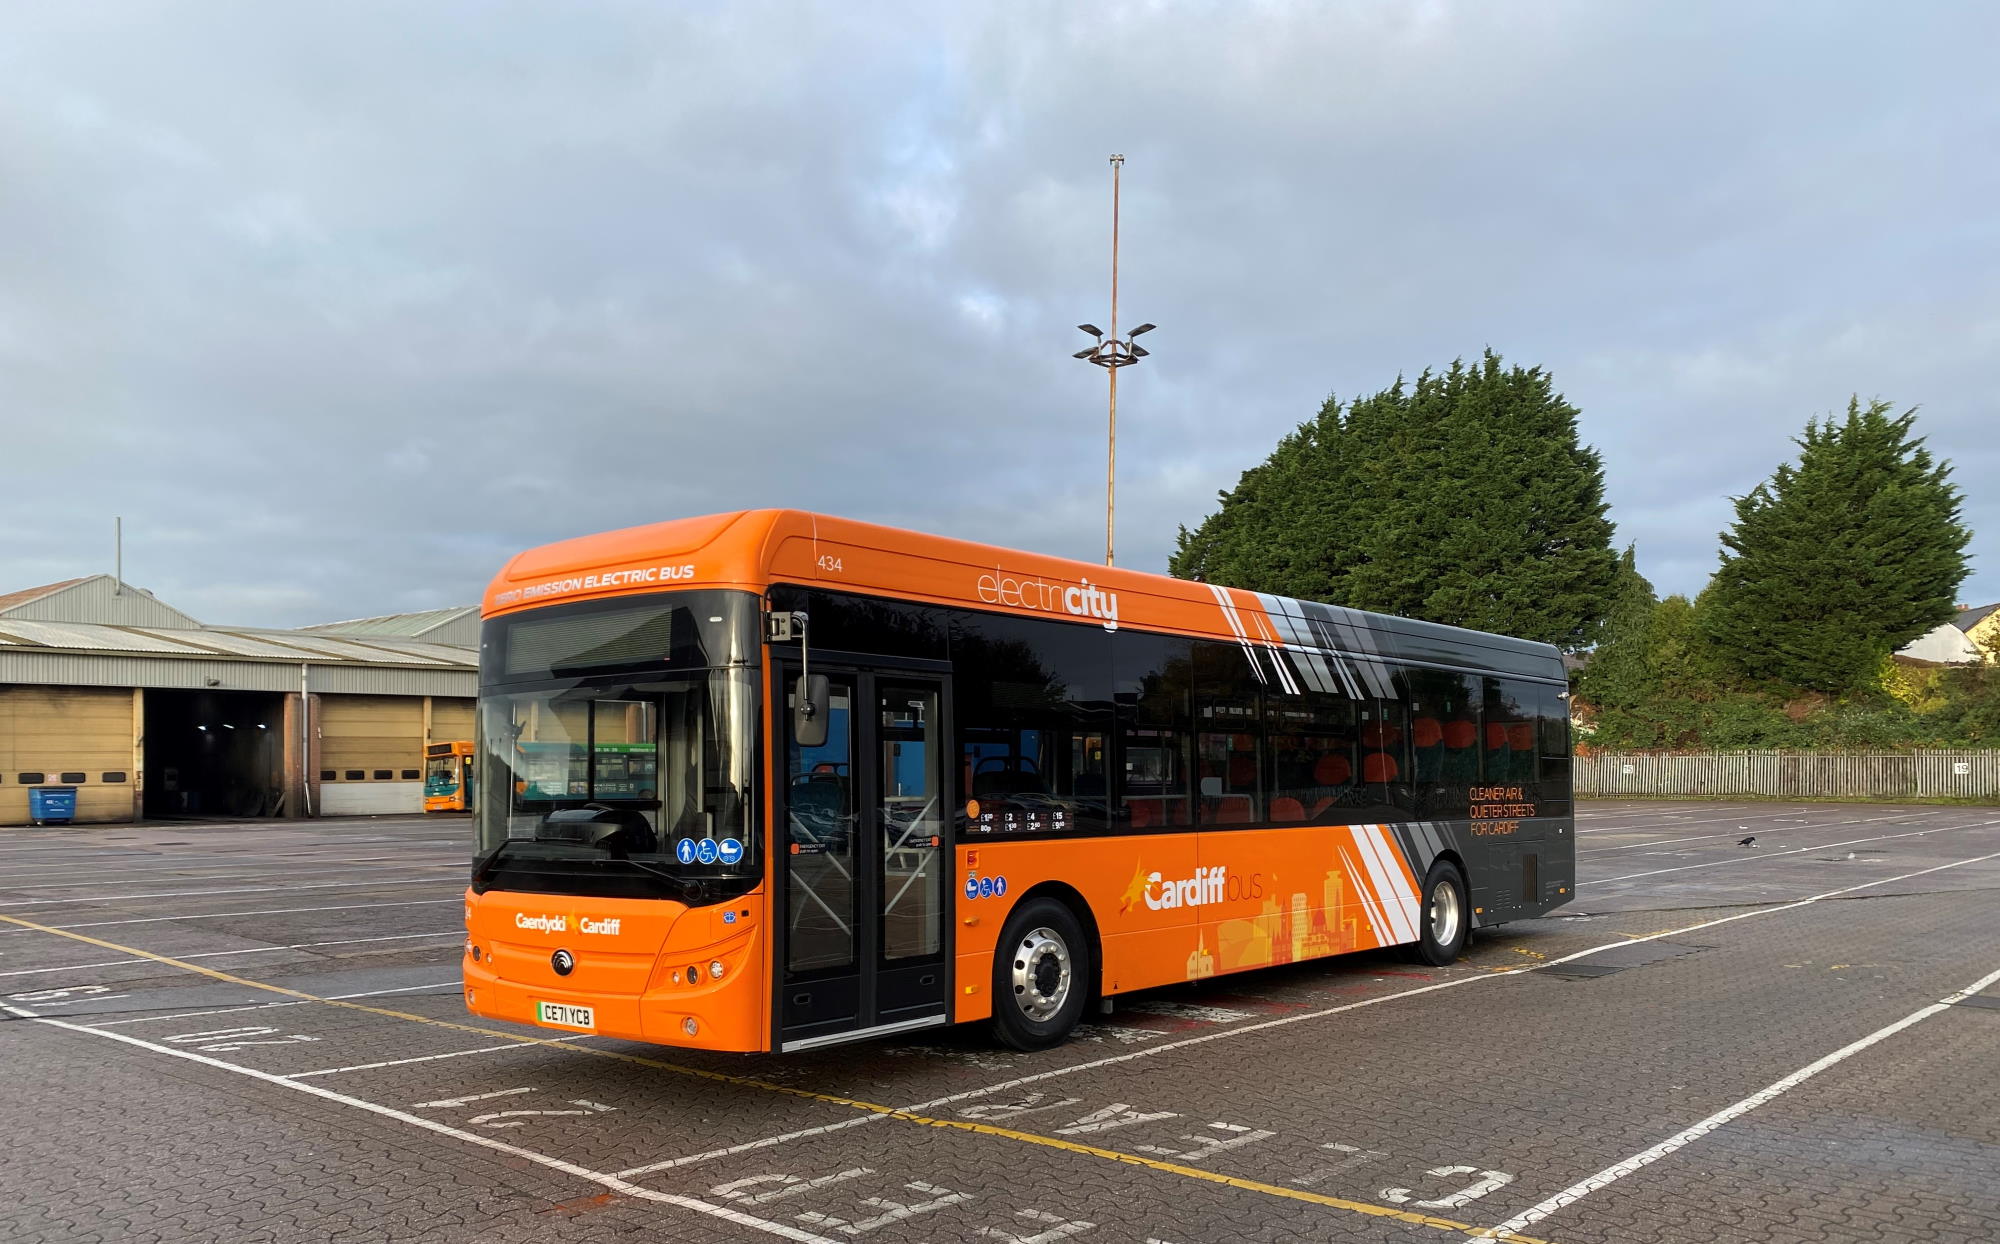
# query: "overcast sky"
342 305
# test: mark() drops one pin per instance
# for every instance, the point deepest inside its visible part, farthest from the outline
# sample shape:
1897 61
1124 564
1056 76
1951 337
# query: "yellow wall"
57 730
371 733
1986 634
451 720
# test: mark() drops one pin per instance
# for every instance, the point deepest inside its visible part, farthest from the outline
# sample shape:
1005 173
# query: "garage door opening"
214 753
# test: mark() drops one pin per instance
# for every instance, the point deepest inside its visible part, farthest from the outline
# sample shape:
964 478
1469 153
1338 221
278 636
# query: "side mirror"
809 710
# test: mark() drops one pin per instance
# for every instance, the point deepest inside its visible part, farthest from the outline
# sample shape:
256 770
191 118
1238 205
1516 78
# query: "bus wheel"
1041 972
1446 915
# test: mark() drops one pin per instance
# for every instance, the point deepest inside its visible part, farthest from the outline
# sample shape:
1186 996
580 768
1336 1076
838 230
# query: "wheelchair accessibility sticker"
985 887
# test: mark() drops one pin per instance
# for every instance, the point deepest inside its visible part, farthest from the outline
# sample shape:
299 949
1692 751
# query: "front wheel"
1446 916
1041 973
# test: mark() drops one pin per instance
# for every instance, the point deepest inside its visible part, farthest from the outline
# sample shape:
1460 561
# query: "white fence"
1793 775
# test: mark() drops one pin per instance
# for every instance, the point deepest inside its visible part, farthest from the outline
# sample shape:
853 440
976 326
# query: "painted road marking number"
224 1040
564 1015
1488 1181
67 996
498 1119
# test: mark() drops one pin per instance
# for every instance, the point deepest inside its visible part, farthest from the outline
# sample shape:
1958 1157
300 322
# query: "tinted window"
1444 742
651 633
1314 761
1509 734
1229 735
842 623
1033 713
1153 683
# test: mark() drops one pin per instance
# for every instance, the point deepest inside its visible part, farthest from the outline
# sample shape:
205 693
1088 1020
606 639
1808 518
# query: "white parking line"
431 1058
1705 820
1680 1140
266 1006
222 954
1772 855
95 882
187 863
611 1182
224 915
1900 819
308 885
1282 1021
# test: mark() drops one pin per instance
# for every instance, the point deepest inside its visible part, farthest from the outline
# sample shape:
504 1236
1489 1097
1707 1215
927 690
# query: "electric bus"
773 780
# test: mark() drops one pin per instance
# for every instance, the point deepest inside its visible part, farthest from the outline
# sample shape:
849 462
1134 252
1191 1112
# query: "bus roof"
753 549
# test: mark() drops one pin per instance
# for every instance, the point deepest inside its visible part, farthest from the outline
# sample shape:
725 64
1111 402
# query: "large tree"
1618 674
1464 498
1837 561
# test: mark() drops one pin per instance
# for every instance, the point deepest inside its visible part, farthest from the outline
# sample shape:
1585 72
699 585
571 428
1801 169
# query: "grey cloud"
342 305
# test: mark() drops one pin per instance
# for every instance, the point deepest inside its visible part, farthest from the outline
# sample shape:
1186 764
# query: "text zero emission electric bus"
773 780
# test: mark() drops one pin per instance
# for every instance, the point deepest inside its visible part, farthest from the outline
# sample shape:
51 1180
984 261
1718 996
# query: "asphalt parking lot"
254 1032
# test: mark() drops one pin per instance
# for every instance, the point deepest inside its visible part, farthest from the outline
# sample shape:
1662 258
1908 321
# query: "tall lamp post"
1110 353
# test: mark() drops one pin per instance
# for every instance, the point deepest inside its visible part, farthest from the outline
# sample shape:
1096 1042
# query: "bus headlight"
715 969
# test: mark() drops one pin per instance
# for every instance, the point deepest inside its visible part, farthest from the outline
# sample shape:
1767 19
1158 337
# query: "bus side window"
1444 729
1312 755
1229 719
1033 709
1153 682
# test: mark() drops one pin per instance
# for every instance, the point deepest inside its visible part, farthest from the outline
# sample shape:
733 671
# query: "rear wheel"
1041 973
1446 916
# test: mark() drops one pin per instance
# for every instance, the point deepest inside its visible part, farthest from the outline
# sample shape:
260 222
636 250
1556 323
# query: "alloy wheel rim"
1042 974
1445 913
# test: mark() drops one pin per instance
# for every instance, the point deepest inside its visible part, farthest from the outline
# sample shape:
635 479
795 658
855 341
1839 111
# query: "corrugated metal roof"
406 624
10 599
94 637
210 643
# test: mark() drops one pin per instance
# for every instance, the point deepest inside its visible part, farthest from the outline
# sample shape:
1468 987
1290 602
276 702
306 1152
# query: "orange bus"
448 776
773 780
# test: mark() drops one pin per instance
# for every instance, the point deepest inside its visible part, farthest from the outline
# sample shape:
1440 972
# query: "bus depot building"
146 712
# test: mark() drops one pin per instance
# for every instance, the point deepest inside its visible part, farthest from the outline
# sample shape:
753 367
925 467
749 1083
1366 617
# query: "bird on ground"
1751 840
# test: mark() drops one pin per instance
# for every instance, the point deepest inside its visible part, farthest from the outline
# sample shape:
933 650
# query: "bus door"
862 861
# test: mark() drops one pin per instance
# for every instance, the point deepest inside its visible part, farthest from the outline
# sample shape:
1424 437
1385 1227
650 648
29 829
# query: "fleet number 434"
829 563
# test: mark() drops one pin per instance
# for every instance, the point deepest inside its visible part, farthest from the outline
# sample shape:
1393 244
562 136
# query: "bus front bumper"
638 970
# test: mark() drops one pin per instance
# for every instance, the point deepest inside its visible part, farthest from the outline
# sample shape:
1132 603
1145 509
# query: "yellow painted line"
388 1013
1523 950
962 1125
1216 1177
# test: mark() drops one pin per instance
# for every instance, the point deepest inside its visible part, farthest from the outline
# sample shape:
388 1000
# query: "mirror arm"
805 661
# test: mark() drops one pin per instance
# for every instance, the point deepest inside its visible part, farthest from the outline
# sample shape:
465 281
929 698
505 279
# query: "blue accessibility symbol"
684 850
729 850
972 887
729 917
999 887
986 887
705 850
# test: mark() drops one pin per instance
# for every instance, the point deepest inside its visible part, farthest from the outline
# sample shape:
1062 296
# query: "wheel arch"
1068 895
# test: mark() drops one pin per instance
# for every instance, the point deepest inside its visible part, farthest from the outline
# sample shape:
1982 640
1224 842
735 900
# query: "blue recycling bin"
52 805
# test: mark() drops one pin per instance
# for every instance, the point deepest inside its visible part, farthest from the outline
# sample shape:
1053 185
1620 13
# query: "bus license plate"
563 1015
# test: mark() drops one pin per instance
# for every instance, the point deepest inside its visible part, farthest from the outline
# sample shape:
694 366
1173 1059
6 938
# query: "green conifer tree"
1465 498
1837 561
1617 674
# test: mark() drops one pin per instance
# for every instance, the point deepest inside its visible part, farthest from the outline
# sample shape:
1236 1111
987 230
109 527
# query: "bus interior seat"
1232 810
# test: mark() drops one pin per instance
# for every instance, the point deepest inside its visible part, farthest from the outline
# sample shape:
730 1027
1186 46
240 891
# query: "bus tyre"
1445 915
1041 973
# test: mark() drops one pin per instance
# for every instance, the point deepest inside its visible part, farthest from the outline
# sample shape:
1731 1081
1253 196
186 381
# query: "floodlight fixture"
1144 328
1092 329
